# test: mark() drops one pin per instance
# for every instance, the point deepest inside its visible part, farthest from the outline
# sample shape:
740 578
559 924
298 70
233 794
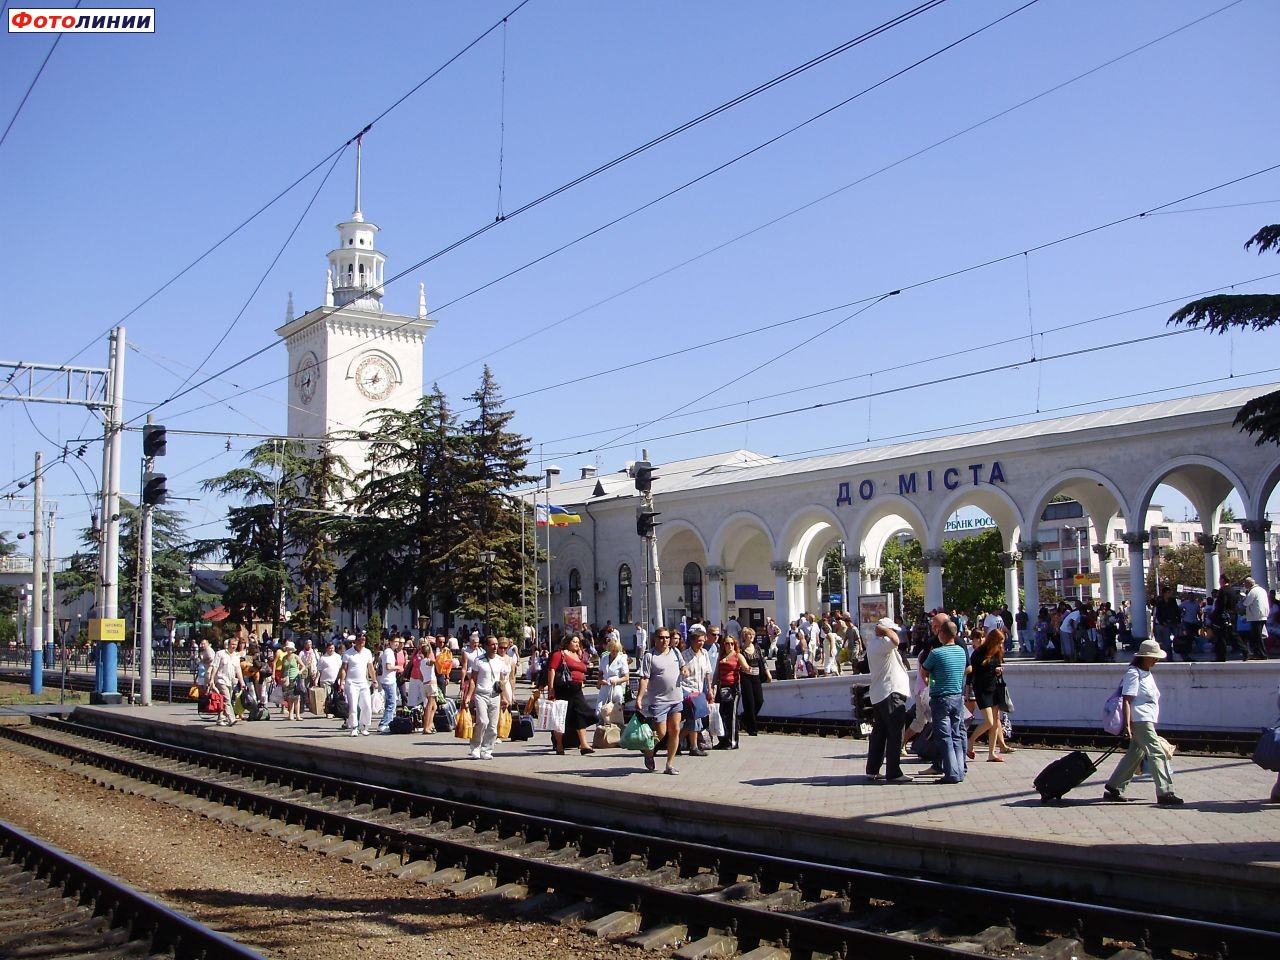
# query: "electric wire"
800 209
272 202
265 273
39 70
597 171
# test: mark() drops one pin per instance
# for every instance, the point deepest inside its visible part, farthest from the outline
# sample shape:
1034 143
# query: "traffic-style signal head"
154 441
647 521
154 490
642 472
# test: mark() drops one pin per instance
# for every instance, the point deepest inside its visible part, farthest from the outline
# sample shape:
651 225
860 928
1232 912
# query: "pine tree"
1259 311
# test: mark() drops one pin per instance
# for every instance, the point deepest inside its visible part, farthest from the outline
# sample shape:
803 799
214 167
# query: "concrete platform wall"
1193 696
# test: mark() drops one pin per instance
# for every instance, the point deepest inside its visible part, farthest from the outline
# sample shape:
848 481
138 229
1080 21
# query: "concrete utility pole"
144 588
50 625
37 581
106 687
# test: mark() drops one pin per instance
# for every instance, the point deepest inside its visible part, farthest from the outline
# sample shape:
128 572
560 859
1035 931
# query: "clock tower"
349 356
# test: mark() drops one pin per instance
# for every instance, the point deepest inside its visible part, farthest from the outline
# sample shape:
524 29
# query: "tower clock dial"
375 378
306 377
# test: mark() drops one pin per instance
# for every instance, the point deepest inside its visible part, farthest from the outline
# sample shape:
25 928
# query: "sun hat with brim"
1149 648
884 623
289 646
697 630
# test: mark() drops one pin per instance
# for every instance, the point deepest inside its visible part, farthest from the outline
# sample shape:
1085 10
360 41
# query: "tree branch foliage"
1221 313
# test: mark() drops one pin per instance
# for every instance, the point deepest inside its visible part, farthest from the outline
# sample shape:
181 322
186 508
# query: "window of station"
1063 510
624 595
575 588
693 590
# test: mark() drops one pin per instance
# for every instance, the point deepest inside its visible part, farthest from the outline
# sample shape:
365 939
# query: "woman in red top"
726 689
567 671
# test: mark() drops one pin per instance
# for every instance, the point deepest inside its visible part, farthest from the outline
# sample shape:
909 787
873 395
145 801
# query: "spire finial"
422 301
288 311
357 215
328 287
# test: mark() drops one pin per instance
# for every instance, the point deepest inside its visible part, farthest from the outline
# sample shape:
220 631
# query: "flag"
560 517
540 514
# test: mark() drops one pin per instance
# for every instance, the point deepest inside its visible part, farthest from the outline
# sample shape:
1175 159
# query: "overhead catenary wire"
39 70
599 170
288 189
795 210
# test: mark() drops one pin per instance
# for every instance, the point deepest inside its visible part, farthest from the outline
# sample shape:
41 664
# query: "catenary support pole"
50 624
36 619
110 554
144 590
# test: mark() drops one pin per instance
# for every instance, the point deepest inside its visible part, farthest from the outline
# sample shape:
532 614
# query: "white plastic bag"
559 712
277 694
377 702
715 722
545 711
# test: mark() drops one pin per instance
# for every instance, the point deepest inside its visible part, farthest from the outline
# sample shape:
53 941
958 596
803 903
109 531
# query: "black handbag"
726 695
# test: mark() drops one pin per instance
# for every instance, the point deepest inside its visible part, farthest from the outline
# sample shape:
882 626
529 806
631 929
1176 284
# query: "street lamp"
487 558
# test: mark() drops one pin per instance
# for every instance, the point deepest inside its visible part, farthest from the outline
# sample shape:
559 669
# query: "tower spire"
357 215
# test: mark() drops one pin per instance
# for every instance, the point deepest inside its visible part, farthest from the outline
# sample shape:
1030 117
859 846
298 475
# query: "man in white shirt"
642 641
1257 605
890 687
389 675
357 673
1067 634
329 665
694 681
486 691
225 672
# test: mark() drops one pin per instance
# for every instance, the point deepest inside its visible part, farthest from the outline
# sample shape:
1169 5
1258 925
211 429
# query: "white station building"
743 533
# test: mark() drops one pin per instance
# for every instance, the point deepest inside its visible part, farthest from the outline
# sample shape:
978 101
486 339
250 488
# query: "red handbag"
212 702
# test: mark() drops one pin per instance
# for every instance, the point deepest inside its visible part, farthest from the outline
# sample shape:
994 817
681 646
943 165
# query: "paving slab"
807 797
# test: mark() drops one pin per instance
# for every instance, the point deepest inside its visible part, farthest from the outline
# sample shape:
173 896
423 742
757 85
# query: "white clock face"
375 378
307 376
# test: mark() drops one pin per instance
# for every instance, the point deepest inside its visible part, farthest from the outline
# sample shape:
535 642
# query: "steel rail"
1091 923
142 917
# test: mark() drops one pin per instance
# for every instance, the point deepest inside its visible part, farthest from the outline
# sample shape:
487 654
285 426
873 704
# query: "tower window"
350 242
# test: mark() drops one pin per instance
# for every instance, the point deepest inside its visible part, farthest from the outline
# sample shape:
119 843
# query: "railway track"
696 899
57 906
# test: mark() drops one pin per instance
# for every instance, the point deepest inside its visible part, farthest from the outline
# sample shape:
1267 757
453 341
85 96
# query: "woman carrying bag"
755 674
726 691
615 675
1141 710
567 670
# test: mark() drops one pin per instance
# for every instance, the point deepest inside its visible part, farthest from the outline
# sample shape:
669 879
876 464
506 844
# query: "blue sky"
135 153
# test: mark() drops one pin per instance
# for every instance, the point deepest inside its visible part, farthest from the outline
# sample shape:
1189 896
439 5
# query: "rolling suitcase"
1066 773
521 728
446 716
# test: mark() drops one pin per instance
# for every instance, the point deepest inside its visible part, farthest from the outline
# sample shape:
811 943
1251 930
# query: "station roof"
738 466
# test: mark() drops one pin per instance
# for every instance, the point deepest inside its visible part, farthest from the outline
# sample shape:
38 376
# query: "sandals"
671 771
995 759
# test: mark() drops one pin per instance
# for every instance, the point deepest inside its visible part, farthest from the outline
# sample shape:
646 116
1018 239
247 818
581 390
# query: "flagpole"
548 517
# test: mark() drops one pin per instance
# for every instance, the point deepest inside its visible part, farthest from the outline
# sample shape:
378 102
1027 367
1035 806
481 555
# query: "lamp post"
487 558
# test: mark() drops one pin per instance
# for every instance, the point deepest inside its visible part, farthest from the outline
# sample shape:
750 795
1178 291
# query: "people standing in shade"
357 675
726 690
224 674
986 674
486 692
1141 713
755 674
1223 619
661 696
567 670
388 663
890 688
329 665
945 668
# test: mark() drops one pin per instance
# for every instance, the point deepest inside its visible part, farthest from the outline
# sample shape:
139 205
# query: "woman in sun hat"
1141 711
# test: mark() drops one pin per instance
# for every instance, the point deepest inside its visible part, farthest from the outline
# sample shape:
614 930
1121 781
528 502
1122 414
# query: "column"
1103 552
1009 560
1209 543
1139 617
853 575
796 593
932 560
1258 531
1030 551
781 593
715 595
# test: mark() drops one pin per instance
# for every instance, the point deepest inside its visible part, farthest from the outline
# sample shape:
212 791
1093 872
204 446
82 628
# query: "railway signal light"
154 441
647 521
154 490
642 473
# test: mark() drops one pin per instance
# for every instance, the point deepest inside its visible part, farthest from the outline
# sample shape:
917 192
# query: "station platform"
807 798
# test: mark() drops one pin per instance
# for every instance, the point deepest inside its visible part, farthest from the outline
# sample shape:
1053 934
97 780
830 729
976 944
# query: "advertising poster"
873 606
575 618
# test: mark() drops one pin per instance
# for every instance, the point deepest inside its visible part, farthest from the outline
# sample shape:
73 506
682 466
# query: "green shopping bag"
637 735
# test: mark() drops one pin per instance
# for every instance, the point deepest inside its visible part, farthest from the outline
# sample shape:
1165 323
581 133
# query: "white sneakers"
474 755
354 732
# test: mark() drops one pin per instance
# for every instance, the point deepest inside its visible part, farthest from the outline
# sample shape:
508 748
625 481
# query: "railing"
169 662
